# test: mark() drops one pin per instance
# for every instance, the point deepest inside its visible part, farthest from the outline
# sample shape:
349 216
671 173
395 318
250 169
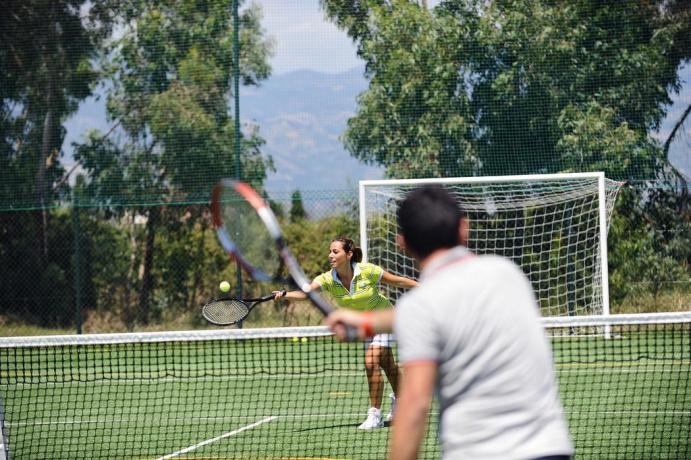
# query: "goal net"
553 226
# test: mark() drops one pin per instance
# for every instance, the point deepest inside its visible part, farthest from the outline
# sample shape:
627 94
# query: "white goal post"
552 225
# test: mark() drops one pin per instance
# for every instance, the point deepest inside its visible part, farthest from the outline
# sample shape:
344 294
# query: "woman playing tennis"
355 285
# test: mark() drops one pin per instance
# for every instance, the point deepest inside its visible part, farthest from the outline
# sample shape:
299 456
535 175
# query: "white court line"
224 435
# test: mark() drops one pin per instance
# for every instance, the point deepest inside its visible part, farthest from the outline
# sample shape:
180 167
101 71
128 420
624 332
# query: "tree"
297 209
46 70
413 119
46 49
170 84
517 86
476 87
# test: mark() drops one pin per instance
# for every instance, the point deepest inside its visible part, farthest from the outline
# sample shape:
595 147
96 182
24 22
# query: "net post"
4 437
604 270
235 4
363 220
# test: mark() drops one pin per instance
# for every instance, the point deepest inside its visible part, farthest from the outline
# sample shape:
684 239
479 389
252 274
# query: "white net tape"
551 324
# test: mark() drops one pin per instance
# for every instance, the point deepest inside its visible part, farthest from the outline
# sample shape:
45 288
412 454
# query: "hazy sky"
305 39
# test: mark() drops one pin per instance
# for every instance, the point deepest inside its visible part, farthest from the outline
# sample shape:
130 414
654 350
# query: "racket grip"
351 333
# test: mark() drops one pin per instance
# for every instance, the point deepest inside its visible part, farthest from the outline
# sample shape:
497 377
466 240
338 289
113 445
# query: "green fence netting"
116 119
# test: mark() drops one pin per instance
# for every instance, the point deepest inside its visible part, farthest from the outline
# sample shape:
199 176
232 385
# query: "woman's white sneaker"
373 420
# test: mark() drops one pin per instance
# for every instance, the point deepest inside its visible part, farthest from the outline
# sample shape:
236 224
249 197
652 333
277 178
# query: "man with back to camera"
471 331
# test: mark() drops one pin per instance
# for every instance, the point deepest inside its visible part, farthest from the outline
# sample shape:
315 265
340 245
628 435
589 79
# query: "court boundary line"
218 438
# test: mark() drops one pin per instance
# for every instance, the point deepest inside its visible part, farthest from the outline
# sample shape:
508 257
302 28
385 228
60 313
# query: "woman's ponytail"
349 246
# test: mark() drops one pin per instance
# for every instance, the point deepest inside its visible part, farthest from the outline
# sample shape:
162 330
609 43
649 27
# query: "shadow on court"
342 425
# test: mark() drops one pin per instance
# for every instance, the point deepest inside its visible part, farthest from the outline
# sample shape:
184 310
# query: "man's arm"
412 407
366 323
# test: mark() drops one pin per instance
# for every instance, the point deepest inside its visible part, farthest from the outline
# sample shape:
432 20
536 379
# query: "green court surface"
626 397
254 399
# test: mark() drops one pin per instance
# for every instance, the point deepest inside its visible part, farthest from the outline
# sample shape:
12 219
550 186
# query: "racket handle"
351 334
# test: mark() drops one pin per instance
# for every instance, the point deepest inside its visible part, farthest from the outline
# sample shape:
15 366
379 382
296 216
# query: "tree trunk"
46 148
146 286
128 309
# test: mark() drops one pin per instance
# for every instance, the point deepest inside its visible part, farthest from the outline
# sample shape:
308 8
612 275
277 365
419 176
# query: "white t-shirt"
476 317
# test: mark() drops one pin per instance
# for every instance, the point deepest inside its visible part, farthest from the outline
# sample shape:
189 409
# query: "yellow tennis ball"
303 340
224 286
295 339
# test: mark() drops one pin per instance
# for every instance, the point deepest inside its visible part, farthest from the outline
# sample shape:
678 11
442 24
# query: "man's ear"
463 231
400 241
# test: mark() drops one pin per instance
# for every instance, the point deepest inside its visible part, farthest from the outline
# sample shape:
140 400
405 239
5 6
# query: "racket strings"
226 311
246 229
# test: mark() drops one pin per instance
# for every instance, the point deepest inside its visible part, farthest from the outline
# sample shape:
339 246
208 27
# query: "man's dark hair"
428 219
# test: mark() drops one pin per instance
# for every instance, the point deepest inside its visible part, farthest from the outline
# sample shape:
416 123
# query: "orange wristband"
367 327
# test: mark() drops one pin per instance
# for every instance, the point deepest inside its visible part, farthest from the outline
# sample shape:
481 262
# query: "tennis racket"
226 311
248 230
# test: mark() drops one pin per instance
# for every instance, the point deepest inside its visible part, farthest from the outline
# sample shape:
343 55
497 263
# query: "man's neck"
432 257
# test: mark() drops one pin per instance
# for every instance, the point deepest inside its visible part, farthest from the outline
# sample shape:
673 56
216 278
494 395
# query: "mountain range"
302 116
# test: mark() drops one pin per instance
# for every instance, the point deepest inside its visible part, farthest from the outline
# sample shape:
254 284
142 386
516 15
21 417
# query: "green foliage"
46 53
104 277
513 87
650 241
465 88
593 139
297 209
187 267
414 118
39 287
170 81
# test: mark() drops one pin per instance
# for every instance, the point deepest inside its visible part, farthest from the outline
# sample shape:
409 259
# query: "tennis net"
298 393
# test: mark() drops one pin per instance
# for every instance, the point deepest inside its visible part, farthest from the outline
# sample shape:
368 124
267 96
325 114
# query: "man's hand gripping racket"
248 230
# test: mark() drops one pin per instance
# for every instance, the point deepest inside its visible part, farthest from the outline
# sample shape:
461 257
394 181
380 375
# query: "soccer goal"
553 225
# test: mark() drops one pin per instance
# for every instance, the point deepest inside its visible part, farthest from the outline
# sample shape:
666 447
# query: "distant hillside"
301 115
